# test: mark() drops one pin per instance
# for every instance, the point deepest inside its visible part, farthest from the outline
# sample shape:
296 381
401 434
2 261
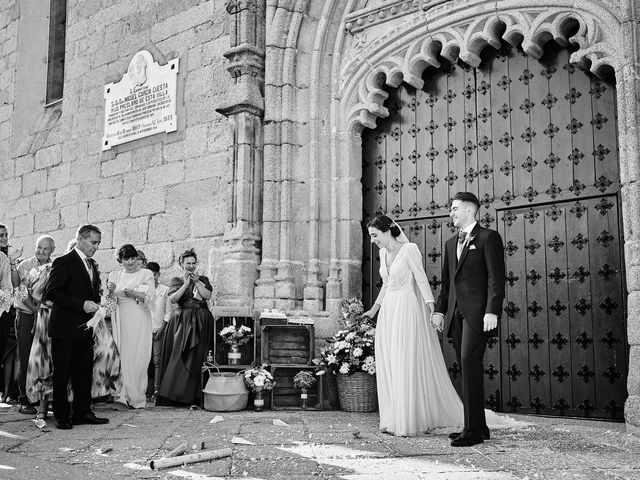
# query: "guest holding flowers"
134 289
187 337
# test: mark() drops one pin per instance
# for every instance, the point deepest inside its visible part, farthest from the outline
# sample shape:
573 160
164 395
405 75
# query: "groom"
473 277
74 289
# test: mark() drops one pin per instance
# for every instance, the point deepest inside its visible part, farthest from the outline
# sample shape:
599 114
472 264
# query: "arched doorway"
536 140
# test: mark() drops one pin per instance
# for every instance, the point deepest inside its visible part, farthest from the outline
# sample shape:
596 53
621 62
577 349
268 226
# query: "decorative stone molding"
239 250
402 54
368 17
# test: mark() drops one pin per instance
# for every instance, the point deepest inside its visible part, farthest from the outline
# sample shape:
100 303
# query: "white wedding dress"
415 394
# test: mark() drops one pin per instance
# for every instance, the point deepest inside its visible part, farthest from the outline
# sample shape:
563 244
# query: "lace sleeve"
383 266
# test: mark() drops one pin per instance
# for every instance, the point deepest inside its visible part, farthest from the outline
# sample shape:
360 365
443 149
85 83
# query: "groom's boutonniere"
470 239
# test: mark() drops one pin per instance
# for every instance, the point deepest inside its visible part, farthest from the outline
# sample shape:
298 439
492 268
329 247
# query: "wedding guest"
159 318
188 336
39 381
8 342
142 259
24 277
74 288
134 289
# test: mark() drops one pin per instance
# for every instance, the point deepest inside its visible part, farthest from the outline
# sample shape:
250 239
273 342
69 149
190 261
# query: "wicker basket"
225 392
357 392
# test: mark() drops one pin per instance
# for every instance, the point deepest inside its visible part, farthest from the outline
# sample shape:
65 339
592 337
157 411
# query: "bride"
415 393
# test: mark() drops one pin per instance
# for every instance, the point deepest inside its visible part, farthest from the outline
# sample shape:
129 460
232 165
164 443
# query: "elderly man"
26 313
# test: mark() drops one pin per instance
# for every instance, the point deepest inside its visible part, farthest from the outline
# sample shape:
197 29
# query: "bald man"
25 315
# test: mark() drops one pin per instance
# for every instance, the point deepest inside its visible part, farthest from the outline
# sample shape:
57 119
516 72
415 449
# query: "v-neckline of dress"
394 259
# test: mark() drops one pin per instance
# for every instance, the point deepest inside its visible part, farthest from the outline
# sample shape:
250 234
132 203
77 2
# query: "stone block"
130 230
182 21
633 318
59 176
46 221
207 166
108 209
169 174
133 182
220 137
107 234
34 182
161 253
107 261
148 202
193 145
23 225
84 170
48 157
10 189
25 164
208 221
42 201
67 195
119 165
72 216
103 188
171 226
17 207
193 194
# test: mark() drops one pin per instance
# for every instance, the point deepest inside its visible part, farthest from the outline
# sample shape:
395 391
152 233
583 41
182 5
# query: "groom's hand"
90 307
490 321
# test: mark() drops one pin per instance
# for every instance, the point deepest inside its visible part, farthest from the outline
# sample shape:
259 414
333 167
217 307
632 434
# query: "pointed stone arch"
598 48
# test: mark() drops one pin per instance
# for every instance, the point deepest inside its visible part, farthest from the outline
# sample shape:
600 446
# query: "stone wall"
162 193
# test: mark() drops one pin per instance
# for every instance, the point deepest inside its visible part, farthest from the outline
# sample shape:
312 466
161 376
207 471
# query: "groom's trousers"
470 346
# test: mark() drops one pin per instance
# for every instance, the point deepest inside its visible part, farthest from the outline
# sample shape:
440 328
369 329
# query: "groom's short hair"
85 230
467 197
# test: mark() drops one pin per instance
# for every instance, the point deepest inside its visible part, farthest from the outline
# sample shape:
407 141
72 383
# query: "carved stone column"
239 249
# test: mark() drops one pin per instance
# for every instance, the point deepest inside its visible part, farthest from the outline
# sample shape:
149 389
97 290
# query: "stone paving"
312 445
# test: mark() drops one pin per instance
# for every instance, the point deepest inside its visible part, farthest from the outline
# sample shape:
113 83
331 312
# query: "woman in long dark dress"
188 337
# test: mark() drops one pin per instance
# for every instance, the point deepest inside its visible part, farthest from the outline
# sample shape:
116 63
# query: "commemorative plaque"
142 103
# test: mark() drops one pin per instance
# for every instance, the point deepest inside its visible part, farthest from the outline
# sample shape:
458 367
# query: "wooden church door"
536 141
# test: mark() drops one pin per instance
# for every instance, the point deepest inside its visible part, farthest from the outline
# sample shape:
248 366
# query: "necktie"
462 235
90 263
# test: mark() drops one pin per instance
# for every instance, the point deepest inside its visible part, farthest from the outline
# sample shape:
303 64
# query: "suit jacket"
68 287
475 284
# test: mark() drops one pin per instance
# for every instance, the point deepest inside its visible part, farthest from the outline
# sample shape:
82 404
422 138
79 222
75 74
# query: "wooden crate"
248 350
287 344
285 397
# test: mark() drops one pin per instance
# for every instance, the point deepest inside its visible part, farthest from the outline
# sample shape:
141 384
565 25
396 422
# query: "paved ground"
314 445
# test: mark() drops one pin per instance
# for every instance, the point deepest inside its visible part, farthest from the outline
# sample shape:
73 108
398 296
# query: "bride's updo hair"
385 224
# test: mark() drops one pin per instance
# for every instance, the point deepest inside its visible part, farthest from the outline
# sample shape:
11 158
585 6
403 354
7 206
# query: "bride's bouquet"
352 349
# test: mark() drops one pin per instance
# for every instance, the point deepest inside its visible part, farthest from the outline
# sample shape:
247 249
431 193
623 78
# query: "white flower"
259 381
369 360
357 352
331 358
351 336
344 368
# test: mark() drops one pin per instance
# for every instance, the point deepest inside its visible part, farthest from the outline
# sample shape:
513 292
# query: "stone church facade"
288 111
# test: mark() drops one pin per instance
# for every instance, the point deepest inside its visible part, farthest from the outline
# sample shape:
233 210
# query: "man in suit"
469 305
74 289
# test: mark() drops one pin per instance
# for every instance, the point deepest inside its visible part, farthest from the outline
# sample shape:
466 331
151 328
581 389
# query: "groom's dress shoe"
466 440
486 435
63 424
89 419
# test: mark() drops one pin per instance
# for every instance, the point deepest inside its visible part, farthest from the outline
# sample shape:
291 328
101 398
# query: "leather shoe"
486 435
89 419
466 440
63 424
27 409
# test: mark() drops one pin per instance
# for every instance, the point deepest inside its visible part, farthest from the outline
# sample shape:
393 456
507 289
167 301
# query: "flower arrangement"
303 381
352 349
239 336
258 379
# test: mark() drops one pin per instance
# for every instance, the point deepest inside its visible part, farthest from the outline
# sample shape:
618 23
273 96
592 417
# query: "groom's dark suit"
69 286
472 286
